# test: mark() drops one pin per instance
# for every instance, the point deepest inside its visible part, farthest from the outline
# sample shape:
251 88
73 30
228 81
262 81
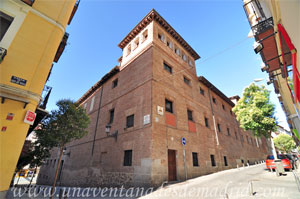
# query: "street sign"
183 141
29 117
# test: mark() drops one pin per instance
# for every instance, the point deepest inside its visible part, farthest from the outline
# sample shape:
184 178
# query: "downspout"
93 146
213 115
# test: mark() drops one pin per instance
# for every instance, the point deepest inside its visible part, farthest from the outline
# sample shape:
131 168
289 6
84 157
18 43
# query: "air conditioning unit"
3 52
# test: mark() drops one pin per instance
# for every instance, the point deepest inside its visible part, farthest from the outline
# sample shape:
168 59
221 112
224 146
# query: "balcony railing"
257 18
45 96
74 11
61 47
262 26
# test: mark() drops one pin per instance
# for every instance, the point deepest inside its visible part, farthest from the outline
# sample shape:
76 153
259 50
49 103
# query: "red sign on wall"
29 117
10 116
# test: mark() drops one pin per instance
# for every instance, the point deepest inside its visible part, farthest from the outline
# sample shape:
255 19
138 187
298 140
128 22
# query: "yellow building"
32 38
275 25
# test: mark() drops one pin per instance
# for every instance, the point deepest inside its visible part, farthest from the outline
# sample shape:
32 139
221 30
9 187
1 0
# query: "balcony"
45 96
61 47
28 2
74 11
40 110
258 16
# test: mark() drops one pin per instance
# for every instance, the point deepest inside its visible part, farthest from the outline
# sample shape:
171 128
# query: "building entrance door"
172 165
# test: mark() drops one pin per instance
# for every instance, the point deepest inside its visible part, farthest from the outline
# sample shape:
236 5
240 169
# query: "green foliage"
255 112
58 128
291 84
284 143
61 126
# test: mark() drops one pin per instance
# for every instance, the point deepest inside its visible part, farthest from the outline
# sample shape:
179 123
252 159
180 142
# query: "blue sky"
216 30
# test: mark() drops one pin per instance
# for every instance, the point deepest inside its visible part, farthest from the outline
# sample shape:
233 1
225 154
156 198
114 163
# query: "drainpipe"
93 146
256 142
213 115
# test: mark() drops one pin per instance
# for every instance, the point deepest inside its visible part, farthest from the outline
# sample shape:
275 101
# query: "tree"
255 112
67 123
284 143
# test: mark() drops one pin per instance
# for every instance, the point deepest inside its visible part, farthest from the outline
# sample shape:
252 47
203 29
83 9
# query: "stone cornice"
154 16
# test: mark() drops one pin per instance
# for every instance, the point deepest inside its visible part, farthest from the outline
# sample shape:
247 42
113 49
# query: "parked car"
284 159
292 158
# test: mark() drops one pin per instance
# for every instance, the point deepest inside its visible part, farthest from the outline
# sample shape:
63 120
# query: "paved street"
231 184
234 183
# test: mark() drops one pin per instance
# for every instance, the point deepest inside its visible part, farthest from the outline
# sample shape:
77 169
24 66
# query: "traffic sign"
183 141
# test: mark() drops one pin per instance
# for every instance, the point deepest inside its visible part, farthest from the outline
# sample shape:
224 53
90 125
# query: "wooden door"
172 165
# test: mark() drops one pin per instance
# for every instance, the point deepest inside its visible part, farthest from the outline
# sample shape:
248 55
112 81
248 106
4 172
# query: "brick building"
141 110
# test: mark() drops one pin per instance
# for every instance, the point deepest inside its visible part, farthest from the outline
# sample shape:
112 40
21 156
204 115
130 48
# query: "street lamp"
257 47
107 130
264 67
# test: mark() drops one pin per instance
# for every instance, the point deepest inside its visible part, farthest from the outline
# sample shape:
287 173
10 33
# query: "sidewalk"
230 184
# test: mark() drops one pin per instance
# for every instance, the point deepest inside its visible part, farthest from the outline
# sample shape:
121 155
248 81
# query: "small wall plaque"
146 119
18 80
160 110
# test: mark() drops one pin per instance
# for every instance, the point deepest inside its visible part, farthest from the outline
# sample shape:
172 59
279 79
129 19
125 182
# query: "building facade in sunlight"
144 111
275 26
32 38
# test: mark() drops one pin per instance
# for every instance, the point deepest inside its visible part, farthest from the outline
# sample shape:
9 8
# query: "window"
190 62
202 91
247 139
127 158
184 57
54 163
169 106
128 50
5 21
214 100
225 161
145 35
228 131
130 121
177 50
187 81
92 103
168 68
195 159
111 115
223 107
190 115
242 161
115 83
161 37
169 44
212 159
230 112
219 127
136 42
236 136
206 121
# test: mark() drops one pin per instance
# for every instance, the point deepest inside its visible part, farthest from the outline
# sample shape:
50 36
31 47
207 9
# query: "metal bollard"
250 188
279 168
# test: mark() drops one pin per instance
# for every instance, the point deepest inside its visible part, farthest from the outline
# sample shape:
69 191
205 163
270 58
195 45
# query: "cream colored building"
275 24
